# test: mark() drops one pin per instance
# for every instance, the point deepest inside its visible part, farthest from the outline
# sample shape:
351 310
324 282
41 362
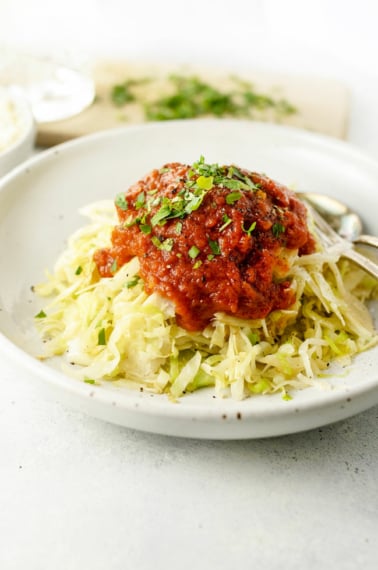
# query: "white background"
330 38
76 493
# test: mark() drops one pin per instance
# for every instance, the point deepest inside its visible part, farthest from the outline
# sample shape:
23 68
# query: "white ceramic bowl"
21 140
39 209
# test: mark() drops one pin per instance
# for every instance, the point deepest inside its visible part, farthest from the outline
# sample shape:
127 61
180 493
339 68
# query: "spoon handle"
362 261
329 237
367 240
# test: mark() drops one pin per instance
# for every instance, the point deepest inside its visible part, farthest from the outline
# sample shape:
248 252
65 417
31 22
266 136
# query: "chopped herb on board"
191 96
123 93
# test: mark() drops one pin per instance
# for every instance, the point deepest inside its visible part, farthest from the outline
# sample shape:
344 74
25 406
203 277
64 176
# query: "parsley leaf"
278 229
140 201
166 245
163 213
250 229
89 381
114 266
205 182
101 339
193 252
226 222
145 228
233 197
214 246
121 202
40 315
132 282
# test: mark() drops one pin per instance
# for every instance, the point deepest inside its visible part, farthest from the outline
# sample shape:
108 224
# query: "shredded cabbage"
109 329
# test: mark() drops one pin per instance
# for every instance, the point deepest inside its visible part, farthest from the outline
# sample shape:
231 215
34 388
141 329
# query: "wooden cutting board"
321 104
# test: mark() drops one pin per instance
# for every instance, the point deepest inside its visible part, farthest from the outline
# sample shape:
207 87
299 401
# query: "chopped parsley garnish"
130 221
89 381
286 396
193 201
114 266
253 337
203 169
163 213
157 243
187 197
145 228
214 246
101 339
278 229
132 282
139 202
79 270
166 245
232 184
121 202
40 315
226 222
233 197
205 182
250 229
193 252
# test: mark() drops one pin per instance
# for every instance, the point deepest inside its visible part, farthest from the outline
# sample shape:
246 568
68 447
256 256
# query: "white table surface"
78 493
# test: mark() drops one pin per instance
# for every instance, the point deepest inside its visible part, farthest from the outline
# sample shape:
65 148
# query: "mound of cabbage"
109 329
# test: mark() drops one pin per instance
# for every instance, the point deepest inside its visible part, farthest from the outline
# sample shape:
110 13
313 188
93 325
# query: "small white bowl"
20 144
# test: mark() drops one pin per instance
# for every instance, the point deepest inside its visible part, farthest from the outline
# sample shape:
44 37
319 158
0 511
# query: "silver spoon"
340 217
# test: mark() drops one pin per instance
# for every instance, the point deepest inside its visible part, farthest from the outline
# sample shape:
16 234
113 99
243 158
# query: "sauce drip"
211 239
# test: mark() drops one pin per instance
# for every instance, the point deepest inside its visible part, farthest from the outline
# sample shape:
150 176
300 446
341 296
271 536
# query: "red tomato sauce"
211 239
